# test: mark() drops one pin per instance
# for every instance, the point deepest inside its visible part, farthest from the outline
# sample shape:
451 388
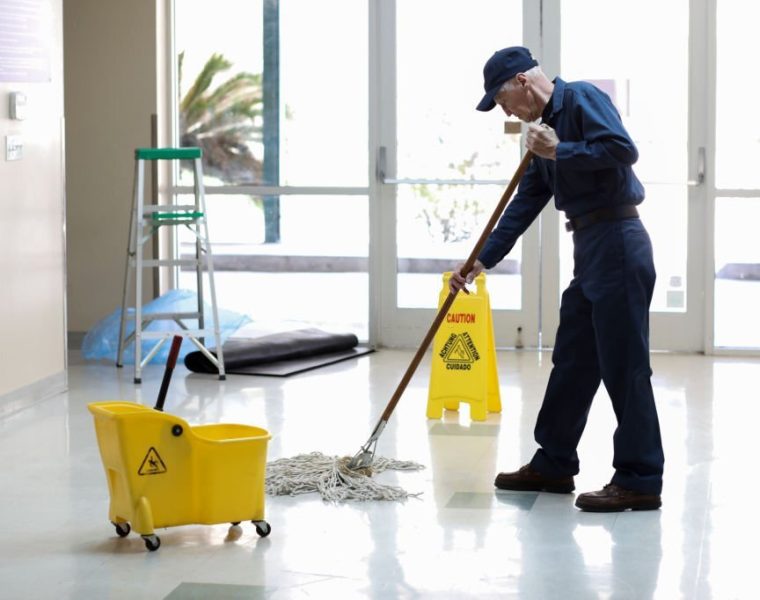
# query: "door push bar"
380 174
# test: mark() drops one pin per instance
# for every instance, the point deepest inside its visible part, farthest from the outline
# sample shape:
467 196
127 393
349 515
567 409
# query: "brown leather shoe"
528 480
613 498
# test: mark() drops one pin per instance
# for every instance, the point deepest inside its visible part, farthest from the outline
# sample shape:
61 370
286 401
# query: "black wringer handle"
170 363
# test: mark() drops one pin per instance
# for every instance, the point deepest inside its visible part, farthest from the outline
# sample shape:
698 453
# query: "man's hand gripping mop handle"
364 457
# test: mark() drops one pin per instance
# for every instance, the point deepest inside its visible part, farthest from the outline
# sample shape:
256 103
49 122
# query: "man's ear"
521 79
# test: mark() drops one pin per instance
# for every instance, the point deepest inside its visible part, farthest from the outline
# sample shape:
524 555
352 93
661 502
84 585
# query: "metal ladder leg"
133 228
139 210
199 246
201 201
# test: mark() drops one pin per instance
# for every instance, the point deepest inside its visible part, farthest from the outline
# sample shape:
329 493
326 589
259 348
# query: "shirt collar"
555 101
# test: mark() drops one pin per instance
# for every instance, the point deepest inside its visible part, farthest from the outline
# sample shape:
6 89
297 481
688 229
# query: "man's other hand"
542 140
457 282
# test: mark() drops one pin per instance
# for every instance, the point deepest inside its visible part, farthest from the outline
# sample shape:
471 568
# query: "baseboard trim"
33 393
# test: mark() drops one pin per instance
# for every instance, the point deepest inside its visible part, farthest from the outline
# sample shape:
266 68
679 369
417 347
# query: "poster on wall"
26 31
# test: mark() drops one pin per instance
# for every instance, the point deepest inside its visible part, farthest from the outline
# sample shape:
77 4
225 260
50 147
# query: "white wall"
111 93
32 269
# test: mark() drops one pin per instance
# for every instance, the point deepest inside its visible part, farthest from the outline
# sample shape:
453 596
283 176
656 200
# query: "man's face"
517 99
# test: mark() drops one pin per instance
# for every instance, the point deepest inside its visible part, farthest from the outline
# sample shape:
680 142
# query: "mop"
332 479
338 479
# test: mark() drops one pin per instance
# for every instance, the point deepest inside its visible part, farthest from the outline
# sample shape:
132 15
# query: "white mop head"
331 477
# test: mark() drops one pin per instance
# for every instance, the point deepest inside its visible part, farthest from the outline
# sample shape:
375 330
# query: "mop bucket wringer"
163 472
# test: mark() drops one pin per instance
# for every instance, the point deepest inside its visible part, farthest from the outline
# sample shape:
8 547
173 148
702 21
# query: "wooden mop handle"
466 268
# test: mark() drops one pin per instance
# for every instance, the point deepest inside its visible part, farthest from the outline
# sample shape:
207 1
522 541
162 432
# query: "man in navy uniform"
583 158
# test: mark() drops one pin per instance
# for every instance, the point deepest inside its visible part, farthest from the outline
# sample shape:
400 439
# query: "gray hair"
531 74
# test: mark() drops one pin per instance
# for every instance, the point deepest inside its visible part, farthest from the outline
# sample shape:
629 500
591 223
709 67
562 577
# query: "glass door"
442 166
697 164
660 95
735 268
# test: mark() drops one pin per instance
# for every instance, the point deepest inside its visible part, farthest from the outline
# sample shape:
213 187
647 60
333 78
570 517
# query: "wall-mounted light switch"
14 147
17 105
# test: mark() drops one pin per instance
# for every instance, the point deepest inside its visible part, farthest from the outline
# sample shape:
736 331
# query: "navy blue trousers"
603 336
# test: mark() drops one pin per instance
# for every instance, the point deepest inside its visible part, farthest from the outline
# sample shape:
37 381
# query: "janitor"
583 158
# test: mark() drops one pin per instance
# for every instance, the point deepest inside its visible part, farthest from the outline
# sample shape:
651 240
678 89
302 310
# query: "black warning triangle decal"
458 352
152 464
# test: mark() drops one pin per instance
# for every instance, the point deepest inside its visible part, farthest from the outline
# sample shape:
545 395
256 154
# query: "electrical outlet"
14 147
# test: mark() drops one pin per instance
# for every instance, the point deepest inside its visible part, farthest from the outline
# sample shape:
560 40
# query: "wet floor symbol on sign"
152 464
459 349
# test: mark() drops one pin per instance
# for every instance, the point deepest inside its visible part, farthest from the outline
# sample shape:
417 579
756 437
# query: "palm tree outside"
225 121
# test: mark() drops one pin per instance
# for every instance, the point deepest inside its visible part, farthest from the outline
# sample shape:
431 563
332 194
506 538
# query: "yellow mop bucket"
163 472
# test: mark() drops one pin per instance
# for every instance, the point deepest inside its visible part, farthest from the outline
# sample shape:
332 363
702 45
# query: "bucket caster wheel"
235 530
122 529
262 528
152 542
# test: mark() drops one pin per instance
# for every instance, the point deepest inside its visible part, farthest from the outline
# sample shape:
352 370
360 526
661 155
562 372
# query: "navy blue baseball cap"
501 67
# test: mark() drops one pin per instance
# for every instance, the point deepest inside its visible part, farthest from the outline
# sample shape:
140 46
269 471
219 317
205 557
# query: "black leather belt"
607 213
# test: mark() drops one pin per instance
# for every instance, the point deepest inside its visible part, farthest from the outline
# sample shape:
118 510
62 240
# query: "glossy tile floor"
459 539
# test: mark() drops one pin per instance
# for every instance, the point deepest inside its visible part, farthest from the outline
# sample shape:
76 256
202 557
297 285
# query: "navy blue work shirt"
592 170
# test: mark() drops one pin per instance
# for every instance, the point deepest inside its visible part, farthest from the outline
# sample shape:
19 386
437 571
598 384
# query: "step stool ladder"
146 221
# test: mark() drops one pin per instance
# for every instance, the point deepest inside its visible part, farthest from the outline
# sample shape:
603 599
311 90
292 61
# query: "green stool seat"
190 153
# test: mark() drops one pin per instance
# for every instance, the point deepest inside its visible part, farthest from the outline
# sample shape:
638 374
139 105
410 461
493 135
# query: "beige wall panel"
110 75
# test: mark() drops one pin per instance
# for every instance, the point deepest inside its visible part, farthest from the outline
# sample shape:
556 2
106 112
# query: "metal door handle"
381 176
700 178
701 165
380 166
380 173
447 181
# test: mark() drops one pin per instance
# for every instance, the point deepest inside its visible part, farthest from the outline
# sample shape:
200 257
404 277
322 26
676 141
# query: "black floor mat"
281 354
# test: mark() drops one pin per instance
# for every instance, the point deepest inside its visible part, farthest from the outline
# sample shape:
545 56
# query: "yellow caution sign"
464 356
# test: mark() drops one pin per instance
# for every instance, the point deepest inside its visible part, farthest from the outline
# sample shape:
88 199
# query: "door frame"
692 331
687 331
390 325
